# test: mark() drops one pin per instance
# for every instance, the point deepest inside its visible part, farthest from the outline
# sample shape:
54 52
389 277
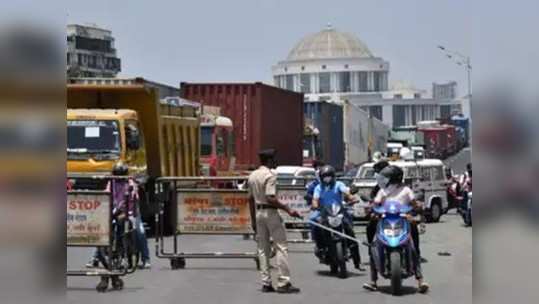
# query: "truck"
264 117
437 144
113 120
216 143
323 137
346 136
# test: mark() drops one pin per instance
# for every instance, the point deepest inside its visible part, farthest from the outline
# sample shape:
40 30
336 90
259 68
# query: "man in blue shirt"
327 192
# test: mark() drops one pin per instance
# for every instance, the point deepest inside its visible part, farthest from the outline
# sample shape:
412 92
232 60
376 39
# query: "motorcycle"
335 249
393 253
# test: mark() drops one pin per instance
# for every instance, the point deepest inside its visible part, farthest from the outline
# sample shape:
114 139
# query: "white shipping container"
361 133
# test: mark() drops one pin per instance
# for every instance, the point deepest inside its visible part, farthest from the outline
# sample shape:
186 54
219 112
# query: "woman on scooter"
390 181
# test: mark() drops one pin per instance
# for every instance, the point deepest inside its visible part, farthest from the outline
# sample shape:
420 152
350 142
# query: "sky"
239 40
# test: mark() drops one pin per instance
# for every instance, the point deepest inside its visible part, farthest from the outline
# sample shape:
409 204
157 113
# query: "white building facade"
338 67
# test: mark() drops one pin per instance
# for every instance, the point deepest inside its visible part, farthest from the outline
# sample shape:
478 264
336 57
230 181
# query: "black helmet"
119 169
378 166
326 172
393 173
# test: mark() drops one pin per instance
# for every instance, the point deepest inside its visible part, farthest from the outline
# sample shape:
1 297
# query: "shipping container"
436 142
263 117
327 119
464 123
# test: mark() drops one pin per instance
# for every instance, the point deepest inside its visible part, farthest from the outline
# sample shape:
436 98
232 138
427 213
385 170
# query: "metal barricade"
203 210
291 191
90 224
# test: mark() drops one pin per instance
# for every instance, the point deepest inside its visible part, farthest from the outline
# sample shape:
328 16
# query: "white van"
426 175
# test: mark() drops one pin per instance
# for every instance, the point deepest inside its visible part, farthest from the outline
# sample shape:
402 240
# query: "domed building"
338 67
331 63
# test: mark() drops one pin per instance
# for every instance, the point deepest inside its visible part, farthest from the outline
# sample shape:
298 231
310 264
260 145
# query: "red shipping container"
436 142
263 117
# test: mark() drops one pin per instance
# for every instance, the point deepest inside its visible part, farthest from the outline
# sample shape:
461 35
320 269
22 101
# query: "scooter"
334 249
393 253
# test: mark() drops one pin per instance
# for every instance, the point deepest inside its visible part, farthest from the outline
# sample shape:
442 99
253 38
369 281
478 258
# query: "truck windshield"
96 137
206 141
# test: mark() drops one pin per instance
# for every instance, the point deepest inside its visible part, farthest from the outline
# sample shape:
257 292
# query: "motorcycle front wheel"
341 259
396 272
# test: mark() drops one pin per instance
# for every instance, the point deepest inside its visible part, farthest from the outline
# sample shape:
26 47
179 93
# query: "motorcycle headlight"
335 221
392 229
390 232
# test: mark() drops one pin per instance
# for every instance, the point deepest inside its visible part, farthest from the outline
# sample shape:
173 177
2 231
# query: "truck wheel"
396 276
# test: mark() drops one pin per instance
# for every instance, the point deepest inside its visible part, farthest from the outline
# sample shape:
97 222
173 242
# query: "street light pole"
464 60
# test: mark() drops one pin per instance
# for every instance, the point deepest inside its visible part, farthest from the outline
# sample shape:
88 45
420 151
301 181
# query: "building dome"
328 44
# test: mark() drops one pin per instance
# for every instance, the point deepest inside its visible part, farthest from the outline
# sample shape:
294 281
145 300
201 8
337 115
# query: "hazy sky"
239 40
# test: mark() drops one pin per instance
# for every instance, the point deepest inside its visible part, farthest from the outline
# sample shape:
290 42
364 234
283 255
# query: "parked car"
286 175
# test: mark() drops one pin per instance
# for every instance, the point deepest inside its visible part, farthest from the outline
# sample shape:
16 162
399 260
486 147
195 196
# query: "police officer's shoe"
268 288
288 288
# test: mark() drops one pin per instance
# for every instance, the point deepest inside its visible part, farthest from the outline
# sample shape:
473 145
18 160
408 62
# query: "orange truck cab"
217 143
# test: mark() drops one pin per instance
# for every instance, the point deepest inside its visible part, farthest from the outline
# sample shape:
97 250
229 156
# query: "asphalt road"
237 281
458 161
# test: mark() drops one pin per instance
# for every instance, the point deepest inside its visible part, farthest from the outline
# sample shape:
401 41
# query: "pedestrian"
262 187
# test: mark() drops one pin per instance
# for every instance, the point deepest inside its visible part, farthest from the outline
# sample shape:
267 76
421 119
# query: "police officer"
269 224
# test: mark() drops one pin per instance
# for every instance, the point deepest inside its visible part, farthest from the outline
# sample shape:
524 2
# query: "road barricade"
90 223
201 209
291 192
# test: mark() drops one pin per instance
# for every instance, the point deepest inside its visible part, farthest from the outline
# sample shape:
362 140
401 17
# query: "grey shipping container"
328 119
263 117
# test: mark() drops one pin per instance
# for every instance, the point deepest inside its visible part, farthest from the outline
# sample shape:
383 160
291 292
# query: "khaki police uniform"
269 224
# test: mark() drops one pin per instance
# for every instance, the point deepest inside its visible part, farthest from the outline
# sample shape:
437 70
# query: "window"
362 82
417 95
397 96
425 173
323 67
68 57
325 83
399 115
290 82
345 66
305 83
303 68
344 82
411 172
438 173
377 80
376 112
206 141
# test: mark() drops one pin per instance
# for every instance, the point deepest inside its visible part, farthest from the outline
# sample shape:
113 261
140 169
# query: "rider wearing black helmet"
390 181
328 191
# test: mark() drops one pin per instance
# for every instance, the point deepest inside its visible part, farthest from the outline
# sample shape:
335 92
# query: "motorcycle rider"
328 191
373 220
454 190
390 181
119 188
465 183
310 193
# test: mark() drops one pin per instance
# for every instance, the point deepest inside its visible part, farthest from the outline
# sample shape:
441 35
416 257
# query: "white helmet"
406 154
377 156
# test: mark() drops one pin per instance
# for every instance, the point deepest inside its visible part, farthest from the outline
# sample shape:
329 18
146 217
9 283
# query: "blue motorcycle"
393 252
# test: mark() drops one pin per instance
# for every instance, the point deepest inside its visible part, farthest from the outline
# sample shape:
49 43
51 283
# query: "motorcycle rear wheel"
396 273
